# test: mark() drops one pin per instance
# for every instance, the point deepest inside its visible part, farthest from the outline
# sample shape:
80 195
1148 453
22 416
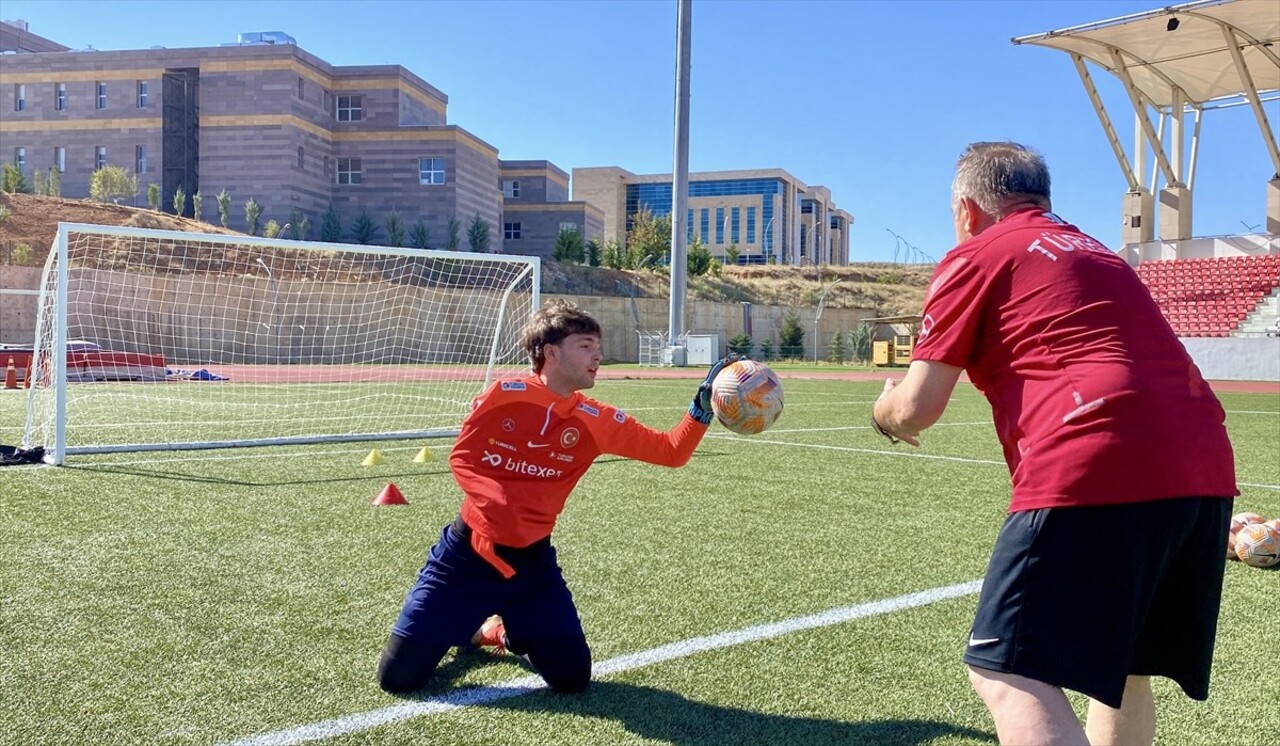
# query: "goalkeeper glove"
700 407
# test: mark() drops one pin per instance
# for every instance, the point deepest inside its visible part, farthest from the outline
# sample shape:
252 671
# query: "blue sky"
872 99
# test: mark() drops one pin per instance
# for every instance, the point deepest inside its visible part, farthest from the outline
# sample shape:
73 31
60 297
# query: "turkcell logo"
585 407
513 386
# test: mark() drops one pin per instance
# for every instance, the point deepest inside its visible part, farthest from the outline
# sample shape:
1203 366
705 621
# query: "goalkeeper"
492 578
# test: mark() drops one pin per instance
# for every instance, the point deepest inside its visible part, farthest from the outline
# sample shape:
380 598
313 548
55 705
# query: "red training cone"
11 376
390 495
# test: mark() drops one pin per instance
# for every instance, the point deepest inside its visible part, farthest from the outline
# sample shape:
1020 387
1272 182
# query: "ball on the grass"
746 397
1258 545
1239 521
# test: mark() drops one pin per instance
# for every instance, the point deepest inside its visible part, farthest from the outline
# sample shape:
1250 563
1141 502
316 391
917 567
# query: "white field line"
483 695
1249 411
1259 486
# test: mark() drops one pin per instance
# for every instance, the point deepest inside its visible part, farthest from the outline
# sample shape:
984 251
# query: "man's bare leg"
1028 712
1133 724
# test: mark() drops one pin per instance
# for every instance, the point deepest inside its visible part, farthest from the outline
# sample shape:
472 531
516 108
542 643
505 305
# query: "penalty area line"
488 694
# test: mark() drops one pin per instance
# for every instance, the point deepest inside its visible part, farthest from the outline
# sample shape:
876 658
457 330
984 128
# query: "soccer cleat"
493 633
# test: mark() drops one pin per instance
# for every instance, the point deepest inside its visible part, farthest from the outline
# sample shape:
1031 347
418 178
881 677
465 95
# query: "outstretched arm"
904 409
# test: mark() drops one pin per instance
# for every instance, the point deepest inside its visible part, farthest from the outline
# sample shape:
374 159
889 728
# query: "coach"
1107 426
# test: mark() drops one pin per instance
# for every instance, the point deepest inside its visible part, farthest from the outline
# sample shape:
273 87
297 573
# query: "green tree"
836 350
330 226
53 185
14 181
698 260
791 335
179 201
860 343
731 254
594 250
112 184
271 230
38 178
419 235
252 212
649 240
223 198
197 203
302 228
395 229
612 255
478 235
766 350
451 233
569 246
741 344
153 196
364 229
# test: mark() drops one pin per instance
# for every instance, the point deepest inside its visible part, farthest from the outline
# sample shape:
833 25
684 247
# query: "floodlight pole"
680 176
767 238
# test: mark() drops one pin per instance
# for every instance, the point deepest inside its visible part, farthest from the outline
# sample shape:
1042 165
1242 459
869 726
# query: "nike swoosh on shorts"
984 641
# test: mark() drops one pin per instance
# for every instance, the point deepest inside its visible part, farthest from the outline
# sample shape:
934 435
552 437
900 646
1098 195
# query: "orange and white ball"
1239 521
1258 545
746 397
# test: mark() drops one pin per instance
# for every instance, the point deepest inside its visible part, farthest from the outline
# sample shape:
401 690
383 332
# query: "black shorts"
1081 598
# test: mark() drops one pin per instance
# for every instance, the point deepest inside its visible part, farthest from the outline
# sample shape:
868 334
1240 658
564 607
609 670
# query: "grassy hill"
890 289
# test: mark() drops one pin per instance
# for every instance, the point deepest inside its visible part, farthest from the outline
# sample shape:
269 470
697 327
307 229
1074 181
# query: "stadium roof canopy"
1211 52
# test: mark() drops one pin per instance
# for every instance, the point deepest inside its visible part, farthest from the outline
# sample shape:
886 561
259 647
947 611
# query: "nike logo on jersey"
531 444
973 641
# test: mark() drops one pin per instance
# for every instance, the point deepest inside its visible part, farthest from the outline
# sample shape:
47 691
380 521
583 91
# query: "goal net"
163 340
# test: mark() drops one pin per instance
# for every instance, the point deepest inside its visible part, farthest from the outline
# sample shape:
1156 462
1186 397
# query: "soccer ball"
1258 544
746 397
1239 521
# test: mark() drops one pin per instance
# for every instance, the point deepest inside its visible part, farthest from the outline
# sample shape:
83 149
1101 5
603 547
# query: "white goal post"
164 340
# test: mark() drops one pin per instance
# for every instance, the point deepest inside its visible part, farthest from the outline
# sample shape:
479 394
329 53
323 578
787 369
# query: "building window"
60 96
301 159
100 157
511 188
688 222
142 160
569 227
350 108
704 225
719 225
102 95
511 231
142 94
19 97
302 87
751 225
734 235
60 159
431 171
20 159
349 171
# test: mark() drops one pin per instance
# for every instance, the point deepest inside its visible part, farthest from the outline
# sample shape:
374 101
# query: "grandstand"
1216 296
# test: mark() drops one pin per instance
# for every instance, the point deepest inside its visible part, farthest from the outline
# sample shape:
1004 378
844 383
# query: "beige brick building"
263 118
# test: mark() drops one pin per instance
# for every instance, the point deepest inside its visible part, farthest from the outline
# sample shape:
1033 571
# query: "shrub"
791 336
451 232
4 213
13 181
252 212
53 184
22 254
569 247
297 224
478 235
223 199
330 226
766 350
860 343
197 201
112 183
742 344
179 201
271 229
420 235
593 251
364 229
395 229
836 350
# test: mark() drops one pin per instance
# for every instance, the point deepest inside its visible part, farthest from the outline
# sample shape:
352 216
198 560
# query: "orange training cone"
26 379
11 376
390 495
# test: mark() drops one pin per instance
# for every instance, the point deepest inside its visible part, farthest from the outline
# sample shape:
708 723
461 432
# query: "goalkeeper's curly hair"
551 324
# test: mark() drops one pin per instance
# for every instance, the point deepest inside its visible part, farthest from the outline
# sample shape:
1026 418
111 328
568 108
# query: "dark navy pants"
457 590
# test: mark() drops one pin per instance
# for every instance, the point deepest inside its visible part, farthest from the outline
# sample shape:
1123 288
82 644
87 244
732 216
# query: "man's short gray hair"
997 175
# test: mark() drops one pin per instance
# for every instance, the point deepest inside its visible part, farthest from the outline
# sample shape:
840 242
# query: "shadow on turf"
672 718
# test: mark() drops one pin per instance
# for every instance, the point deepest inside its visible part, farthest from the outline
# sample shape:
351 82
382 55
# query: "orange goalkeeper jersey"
523 448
